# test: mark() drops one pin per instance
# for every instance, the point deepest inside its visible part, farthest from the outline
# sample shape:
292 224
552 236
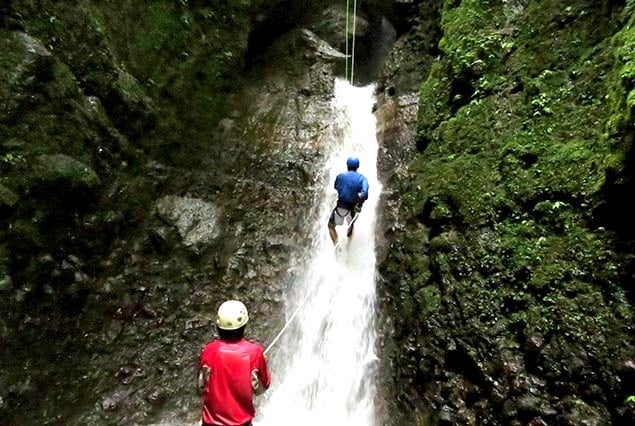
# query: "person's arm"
260 376
202 375
363 194
202 378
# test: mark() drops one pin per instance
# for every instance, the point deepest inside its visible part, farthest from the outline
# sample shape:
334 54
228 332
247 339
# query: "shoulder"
254 347
210 346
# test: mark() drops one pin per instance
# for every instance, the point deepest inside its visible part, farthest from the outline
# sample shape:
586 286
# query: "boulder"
60 168
197 221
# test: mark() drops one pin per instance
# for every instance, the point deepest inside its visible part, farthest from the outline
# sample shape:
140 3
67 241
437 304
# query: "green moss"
623 94
555 34
472 38
428 301
7 197
61 168
515 154
24 236
434 98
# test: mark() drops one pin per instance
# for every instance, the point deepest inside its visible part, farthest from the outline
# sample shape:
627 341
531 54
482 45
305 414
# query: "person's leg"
332 230
355 214
333 234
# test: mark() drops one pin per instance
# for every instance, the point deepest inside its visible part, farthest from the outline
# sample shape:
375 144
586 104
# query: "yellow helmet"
232 315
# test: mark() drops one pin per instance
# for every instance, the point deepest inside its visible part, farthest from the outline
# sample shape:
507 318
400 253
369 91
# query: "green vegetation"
186 58
520 123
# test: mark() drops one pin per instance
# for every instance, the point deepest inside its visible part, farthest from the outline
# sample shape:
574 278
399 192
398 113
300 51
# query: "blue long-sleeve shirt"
352 188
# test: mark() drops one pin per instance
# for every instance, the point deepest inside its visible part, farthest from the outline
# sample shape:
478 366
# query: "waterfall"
324 365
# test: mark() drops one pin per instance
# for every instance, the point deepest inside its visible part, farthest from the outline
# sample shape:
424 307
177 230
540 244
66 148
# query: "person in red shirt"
231 370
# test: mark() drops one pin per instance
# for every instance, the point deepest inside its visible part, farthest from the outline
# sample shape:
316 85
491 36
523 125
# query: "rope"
353 47
290 319
355 217
346 38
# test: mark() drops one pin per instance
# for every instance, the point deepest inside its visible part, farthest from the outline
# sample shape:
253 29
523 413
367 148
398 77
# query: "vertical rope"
346 37
353 48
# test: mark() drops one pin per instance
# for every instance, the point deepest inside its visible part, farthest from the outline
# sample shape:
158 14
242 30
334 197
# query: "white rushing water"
324 365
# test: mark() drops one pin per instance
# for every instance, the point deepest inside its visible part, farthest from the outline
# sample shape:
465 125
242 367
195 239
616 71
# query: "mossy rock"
8 198
60 168
524 123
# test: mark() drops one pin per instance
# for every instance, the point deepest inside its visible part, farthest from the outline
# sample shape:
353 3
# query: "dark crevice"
461 90
616 213
437 212
272 22
459 361
422 143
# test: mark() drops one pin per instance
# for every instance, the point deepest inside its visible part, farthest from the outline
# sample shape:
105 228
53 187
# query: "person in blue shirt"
352 191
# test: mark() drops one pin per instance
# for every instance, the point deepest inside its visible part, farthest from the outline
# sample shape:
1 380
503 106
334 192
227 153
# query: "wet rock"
531 404
111 402
6 283
537 421
197 221
61 168
113 332
312 47
581 413
332 20
128 373
157 397
145 311
126 101
8 198
30 58
163 238
4 331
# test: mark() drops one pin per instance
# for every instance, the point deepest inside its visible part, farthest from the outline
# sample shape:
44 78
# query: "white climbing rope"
289 320
353 47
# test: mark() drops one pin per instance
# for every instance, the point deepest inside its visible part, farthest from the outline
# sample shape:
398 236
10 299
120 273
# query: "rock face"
508 274
155 160
196 221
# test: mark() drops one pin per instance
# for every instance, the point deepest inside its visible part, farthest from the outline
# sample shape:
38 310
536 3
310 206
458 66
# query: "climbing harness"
342 212
353 44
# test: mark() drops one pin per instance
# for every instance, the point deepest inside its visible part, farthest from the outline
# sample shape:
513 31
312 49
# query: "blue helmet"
352 163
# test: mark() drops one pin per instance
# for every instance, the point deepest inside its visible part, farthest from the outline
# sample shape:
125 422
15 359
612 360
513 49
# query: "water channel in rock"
324 364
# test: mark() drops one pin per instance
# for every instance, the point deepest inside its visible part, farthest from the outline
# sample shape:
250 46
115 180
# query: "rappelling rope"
290 319
346 42
346 37
351 80
353 47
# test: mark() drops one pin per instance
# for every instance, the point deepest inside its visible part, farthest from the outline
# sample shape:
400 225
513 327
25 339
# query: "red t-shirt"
228 396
